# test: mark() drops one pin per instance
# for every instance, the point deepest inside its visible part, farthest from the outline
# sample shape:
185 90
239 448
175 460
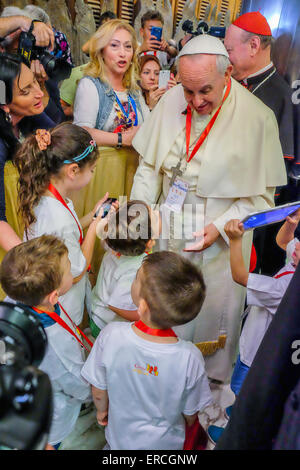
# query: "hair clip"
84 154
43 138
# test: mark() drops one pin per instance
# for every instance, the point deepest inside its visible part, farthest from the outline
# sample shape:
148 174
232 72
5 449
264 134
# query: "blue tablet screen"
269 217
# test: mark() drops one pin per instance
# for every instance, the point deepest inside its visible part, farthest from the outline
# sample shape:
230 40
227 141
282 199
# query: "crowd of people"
122 191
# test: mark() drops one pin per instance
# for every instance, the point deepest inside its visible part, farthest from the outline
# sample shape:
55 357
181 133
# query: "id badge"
177 194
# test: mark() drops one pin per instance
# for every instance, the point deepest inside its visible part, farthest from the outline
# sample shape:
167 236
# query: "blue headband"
84 154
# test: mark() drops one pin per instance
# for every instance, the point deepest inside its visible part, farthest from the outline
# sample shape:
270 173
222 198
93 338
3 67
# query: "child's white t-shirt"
63 362
113 287
149 386
53 218
264 294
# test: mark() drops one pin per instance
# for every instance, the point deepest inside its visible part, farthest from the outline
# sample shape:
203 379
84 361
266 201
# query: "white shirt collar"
259 72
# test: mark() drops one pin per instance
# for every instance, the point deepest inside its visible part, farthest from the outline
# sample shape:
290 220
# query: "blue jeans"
239 374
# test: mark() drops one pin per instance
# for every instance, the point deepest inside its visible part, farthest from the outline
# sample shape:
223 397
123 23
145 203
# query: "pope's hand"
207 237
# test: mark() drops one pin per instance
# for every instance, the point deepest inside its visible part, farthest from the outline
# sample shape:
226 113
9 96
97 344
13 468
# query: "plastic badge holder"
278 214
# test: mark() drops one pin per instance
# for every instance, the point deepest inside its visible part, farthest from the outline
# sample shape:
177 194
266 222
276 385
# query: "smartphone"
279 213
106 207
157 32
164 77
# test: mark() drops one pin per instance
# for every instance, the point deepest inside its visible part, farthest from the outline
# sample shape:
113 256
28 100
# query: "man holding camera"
38 34
216 159
13 26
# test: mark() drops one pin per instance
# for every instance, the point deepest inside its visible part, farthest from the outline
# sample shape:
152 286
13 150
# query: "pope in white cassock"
230 168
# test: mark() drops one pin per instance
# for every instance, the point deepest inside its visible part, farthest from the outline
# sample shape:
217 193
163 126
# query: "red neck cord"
206 130
57 196
62 323
154 331
283 274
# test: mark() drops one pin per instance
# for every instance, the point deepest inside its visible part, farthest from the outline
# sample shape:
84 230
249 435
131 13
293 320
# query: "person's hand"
43 34
155 94
152 44
99 204
102 417
102 224
294 218
207 237
128 135
38 71
172 82
234 229
164 45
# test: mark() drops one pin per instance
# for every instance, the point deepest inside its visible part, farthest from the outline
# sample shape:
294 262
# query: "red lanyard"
154 331
206 130
283 274
62 323
57 196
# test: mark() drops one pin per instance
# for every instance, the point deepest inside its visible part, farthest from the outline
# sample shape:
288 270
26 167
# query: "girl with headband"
54 165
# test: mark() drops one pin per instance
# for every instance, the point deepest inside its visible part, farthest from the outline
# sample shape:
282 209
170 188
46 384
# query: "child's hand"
99 203
234 229
102 223
102 417
294 218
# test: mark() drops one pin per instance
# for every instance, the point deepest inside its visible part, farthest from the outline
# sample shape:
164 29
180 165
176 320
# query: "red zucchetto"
253 22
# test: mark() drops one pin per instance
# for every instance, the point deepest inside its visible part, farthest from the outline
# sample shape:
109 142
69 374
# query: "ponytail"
36 167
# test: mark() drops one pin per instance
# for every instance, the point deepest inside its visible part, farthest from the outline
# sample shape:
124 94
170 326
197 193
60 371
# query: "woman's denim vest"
106 100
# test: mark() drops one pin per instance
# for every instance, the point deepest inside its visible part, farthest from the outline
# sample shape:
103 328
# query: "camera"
25 392
58 69
203 28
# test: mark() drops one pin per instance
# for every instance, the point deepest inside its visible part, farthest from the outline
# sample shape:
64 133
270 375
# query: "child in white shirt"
35 274
146 382
126 249
53 165
264 294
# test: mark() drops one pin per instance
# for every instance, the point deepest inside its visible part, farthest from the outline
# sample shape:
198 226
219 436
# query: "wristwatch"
119 145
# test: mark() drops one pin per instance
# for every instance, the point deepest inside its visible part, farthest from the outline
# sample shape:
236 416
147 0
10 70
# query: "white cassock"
234 173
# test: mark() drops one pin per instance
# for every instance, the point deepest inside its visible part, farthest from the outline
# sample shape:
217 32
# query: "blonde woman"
110 106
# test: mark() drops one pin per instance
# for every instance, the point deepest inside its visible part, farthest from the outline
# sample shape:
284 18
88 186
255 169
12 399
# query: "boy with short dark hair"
163 50
159 377
36 273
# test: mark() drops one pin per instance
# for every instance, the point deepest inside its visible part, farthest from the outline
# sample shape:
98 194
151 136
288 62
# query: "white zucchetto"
204 44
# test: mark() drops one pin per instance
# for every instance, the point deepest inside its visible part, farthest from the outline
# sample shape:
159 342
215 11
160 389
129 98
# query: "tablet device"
271 216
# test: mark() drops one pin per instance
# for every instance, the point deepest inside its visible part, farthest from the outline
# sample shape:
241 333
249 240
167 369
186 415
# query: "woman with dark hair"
21 112
149 78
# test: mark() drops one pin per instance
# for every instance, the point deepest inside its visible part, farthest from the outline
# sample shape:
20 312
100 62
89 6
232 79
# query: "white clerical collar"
259 72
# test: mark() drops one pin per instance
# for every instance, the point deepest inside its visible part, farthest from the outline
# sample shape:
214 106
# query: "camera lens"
23 334
58 69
